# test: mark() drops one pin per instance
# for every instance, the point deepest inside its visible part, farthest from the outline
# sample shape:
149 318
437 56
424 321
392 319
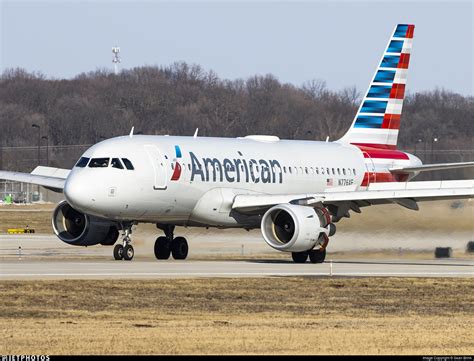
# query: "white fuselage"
212 172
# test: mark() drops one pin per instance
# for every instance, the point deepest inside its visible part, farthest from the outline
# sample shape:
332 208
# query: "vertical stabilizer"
377 121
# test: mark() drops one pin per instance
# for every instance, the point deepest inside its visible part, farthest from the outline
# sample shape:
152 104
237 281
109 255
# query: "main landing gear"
315 256
168 245
125 250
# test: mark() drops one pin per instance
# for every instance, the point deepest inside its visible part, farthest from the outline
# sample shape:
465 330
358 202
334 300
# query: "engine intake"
79 229
293 228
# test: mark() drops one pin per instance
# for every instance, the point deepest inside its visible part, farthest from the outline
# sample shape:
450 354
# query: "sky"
340 42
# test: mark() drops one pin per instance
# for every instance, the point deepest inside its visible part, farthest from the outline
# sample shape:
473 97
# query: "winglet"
131 132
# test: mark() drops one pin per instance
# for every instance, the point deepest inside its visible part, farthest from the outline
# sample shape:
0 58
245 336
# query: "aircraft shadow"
280 261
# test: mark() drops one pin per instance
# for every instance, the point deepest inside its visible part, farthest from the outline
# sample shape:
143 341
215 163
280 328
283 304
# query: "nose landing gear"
168 245
125 250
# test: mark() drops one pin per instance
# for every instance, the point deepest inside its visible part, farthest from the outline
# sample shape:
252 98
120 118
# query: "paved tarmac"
110 269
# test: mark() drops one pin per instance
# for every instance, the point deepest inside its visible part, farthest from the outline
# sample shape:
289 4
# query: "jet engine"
293 228
79 229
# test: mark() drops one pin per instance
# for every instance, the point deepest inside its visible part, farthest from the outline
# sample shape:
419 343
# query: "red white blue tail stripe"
377 121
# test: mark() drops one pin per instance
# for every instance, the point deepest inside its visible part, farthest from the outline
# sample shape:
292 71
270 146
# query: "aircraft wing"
48 177
405 194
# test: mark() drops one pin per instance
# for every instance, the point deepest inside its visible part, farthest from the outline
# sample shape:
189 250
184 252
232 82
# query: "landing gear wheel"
118 252
179 248
299 257
317 255
128 252
162 248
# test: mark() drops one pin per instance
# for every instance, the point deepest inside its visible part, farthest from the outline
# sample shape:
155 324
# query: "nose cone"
78 192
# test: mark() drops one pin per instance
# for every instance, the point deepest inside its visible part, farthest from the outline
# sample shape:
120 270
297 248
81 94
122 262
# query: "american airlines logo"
235 170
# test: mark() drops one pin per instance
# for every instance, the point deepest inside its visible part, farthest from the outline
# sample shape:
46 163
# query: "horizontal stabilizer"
432 167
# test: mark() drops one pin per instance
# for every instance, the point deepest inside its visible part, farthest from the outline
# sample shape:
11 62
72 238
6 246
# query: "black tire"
443 252
118 252
317 255
128 252
299 257
470 247
162 248
179 248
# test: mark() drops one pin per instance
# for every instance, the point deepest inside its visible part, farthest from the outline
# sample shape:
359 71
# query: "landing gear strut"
168 245
125 250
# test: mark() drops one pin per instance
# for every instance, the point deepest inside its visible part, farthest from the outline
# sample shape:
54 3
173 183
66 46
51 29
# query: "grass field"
238 316
433 216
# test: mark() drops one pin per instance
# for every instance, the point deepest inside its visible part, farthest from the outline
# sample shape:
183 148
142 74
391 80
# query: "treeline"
179 98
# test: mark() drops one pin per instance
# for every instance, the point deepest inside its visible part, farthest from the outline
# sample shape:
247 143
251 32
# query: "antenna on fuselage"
196 133
131 132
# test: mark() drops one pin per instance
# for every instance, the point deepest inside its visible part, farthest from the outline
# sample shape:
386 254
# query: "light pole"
1 153
39 140
419 140
47 149
39 144
433 141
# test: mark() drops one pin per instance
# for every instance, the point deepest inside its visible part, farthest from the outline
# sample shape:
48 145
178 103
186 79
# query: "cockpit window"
116 163
81 163
99 162
128 164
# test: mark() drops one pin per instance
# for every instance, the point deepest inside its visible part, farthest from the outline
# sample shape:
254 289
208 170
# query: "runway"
43 269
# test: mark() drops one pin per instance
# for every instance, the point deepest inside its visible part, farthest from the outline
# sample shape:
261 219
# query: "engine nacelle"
79 229
292 228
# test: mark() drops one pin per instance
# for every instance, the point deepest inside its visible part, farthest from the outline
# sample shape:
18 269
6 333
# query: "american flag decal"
329 182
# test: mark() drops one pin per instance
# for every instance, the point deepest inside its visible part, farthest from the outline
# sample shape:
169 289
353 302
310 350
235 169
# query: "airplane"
293 190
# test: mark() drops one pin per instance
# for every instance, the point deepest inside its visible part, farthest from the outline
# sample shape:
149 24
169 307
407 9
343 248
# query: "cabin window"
128 164
99 163
306 170
354 171
82 162
344 171
116 163
316 170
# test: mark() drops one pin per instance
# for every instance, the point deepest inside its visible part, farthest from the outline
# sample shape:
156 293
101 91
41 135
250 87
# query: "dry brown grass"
433 216
236 316
37 217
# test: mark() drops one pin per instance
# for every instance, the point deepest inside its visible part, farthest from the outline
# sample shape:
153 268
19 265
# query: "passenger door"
159 165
